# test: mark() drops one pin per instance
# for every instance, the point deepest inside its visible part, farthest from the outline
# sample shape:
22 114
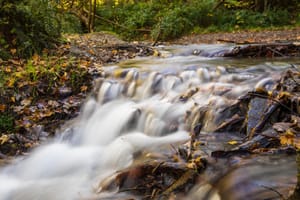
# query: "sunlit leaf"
233 142
7 69
13 51
4 139
11 82
13 99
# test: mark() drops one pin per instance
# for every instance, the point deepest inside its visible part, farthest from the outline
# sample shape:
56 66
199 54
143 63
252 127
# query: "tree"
84 10
27 27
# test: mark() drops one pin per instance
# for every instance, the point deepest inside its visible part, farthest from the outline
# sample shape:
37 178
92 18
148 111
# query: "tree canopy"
29 26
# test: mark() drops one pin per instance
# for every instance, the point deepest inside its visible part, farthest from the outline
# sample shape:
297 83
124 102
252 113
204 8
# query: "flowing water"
146 104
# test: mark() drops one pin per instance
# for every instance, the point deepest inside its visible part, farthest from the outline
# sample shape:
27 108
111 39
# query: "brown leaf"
26 102
35 57
2 107
13 51
83 88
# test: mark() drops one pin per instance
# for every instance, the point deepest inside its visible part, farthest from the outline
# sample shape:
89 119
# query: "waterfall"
130 111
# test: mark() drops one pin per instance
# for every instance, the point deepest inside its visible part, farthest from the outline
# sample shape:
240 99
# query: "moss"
6 122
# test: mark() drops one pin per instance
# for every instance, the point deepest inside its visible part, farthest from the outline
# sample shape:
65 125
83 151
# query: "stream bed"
149 108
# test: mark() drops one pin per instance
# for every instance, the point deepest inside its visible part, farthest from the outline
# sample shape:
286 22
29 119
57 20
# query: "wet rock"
64 92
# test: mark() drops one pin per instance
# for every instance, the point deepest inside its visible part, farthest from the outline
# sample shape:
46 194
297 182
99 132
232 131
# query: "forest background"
29 26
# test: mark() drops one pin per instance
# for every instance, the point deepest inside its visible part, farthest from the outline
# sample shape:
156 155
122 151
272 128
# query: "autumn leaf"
92 52
35 58
114 51
289 138
2 107
13 51
65 77
83 88
26 102
4 139
13 99
7 69
233 142
11 82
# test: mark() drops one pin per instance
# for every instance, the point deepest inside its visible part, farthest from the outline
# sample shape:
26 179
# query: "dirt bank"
242 37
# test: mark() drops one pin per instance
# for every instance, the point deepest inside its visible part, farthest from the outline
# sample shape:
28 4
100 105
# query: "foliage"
260 5
165 20
26 27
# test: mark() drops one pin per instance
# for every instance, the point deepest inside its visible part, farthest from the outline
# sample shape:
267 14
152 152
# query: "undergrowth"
164 21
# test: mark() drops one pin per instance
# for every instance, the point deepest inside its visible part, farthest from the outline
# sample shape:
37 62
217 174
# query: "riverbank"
38 95
243 37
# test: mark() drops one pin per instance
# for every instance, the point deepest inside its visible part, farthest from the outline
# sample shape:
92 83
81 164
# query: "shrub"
27 26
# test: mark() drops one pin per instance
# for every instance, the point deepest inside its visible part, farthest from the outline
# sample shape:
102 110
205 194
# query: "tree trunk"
93 15
90 16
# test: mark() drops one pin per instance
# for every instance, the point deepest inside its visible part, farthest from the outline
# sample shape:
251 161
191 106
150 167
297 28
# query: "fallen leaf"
83 88
114 51
233 142
4 139
7 69
2 107
11 82
26 102
35 57
13 99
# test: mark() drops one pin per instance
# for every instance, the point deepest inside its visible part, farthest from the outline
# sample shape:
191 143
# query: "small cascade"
131 110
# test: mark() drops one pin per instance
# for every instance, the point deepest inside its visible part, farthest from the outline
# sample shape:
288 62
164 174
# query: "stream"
150 105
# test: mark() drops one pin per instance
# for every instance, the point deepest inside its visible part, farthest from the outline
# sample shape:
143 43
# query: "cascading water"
133 109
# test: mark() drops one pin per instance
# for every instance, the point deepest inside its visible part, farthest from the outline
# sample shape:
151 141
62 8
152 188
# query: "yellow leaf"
118 72
65 64
286 139
114 51
233 142
35 57
11 82
7 69
13 51
28 145
191 165
4 139
13 99
156 53
18 74
65 77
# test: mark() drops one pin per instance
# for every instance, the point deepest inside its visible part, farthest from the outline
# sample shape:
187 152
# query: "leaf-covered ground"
243 37
38 95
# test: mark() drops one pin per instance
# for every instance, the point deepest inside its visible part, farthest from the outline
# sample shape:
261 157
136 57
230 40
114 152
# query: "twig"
274 51
273 190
